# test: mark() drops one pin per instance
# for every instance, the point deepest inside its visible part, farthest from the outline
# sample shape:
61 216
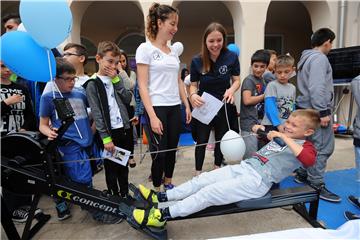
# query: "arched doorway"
288 28
129 43
107 20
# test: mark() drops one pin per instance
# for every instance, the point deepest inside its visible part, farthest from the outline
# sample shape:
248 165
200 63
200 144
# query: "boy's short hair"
63 66
14 16
108 46
262 56
284 61
80 49
321 36
271 52
312 116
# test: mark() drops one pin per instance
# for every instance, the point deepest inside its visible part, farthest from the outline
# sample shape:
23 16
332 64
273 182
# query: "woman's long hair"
205 55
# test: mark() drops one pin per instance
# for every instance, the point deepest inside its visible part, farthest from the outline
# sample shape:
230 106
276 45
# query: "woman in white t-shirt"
161 90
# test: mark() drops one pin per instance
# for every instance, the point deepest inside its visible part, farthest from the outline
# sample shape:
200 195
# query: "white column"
249 30
78 9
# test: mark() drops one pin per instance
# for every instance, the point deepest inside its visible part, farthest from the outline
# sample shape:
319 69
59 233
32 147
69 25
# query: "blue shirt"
217 80
78 102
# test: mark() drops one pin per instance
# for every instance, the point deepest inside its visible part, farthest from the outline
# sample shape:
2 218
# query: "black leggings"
202 136
117 175
170 117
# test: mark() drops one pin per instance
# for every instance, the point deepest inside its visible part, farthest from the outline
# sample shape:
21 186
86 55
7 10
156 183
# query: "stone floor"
82 226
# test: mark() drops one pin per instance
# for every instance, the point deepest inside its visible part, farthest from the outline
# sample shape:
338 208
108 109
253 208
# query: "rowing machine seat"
251 203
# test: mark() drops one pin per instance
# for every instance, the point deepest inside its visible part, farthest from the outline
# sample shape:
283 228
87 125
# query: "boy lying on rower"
252 178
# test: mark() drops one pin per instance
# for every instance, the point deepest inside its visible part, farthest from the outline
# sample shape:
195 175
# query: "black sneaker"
21 214
300 178
107 218
351 216
354 201
63 211
326 195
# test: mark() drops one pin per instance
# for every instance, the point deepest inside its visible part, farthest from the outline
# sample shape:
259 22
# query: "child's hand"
119 67
110 147
273 134
255 128
134 120
324 121
110 72
52 133
16 98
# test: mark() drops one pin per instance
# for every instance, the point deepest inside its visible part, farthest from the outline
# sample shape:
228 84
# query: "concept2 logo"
85 201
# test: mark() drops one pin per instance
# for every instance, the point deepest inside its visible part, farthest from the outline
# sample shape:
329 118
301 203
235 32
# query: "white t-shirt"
78 84
163 74
115 117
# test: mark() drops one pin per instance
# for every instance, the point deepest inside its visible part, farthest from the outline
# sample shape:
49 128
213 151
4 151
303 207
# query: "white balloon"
178 48
21 28
232 146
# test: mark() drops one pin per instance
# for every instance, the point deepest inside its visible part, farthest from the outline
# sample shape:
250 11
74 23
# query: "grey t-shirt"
285 95
268 77
251 114
274 163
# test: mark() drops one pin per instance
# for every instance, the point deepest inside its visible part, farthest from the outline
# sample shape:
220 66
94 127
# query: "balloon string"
53 91
227 118
50 71
154 152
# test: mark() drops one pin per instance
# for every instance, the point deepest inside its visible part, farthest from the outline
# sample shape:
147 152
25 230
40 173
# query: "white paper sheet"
120 155
208 110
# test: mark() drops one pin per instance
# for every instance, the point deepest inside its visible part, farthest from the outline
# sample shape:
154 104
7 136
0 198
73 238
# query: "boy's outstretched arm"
45 129
248 99
306 153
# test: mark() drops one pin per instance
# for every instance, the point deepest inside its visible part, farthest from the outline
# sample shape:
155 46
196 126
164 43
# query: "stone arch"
286 33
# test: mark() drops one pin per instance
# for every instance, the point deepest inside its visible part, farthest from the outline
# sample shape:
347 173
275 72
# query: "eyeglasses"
68 54
68 79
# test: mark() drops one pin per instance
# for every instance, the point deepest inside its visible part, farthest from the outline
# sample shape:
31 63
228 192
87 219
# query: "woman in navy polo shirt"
216 70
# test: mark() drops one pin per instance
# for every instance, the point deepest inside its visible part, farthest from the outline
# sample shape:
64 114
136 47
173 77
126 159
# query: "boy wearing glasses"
77 141
77 55
107 97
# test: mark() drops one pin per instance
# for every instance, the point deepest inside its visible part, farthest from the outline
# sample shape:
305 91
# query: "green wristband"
13 77
115 80
107 140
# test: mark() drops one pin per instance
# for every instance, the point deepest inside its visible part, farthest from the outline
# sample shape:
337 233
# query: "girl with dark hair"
184 73
161 89
129 78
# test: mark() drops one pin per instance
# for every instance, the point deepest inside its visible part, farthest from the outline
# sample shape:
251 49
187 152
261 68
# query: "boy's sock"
165 213
162 197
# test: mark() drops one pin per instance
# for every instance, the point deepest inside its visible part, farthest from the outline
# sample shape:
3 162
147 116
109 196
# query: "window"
275 42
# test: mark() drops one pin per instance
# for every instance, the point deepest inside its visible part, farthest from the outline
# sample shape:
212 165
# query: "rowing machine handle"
278 140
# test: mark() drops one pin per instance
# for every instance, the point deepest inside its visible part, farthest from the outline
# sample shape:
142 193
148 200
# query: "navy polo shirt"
217 80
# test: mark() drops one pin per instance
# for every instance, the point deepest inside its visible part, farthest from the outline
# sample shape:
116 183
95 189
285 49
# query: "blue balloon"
49 22
24 57
234 48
